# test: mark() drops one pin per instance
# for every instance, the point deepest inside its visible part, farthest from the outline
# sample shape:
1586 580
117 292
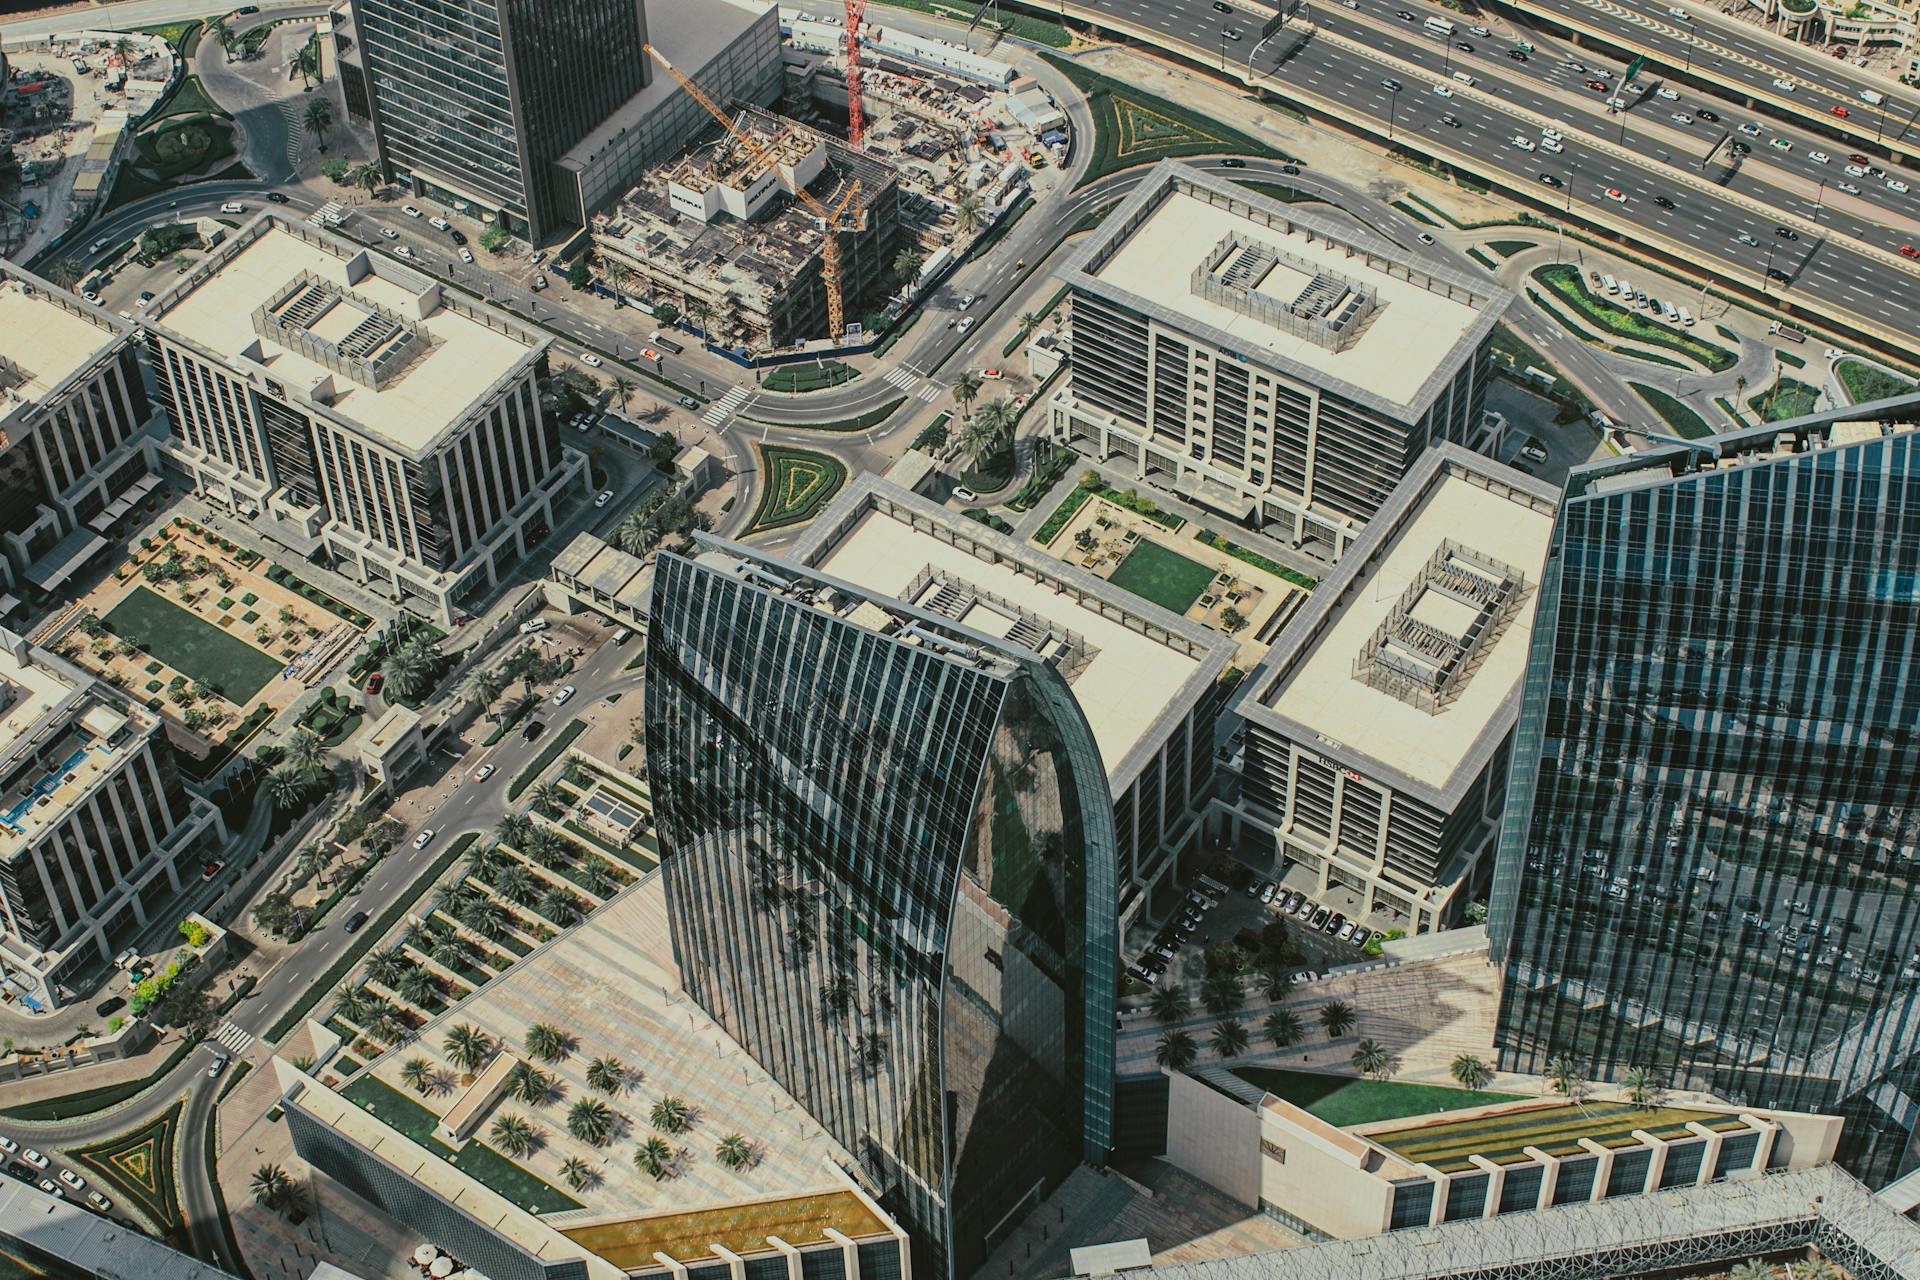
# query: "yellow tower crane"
830 219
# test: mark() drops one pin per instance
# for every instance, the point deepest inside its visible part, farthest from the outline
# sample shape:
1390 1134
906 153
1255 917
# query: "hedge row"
559 743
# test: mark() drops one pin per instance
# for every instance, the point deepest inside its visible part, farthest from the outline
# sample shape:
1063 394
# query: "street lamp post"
1393 109
1819 200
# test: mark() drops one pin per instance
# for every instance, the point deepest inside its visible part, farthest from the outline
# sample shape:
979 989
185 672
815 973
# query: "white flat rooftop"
1323 693
48 342
413 406
1411 333
38 688
1131 679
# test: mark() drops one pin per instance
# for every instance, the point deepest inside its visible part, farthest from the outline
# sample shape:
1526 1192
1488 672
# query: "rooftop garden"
1345 1101
1554 1127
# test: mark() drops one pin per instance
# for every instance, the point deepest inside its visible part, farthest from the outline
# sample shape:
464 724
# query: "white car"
1616 195
466 254
389 233
606 496
1856 171
1784 86
233 206
1668 94
1551 134
9 1146
73 1180
47 1185
966 323
1549 145
1441 91
532 625
1618 104
565 692
1847 187
405 252
1676 11
424 839
1818 157
589 359
99 1202
1522 142
410 211
484 772
1894 184
1681 118
438 223
34 1158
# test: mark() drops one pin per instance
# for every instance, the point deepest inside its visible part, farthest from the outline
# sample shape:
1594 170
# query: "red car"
1598 86
375 680
1857 158
1842 112
1908 251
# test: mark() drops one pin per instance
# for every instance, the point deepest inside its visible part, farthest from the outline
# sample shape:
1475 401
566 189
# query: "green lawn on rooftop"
1344 1100
1165 577
195 648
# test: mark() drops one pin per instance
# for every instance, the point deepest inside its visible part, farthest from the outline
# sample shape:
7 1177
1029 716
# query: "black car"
1551 181
1403 15
356 922
1334 924
1451 120
1517 55
1463 46
1775 273
459 236
1707 113
1233 163
110 1006
1663 202
277 197
1319 917
1786 233
534 729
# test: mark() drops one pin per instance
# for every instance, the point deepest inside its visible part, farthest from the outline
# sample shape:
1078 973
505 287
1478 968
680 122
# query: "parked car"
532 625
1361 936
603 498
34 1158
99 1202
9 1146
1334 921
1319 917
410 211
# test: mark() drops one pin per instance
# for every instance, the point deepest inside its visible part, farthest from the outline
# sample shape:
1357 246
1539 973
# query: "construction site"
733 234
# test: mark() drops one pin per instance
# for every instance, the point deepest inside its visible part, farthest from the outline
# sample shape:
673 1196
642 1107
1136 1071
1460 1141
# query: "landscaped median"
1865 382
796 378
871 418
1612 319
794 485
1131 127
1684 421
542 762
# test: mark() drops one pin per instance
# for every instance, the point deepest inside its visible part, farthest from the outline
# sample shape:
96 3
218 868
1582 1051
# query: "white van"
1686 317
1671 312
1872 97
1463 77
1626 291
1613 286
1439 26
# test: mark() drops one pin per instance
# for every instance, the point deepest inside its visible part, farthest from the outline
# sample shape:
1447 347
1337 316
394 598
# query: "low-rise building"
359 410
76 450
98 833
1265 360
1483 1157
1379 724
723 236
788 1203
1150 683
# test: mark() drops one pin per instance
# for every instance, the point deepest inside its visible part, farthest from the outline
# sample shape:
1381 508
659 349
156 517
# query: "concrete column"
1655 1166
1549 1179
1496 1181
1602 1171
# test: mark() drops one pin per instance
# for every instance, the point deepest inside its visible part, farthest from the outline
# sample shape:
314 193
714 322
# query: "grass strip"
1564 280
1865 382
871 418
1481 258
1413 211
1280 191
1134 128
1684 421
1069 506
551 752
801 378
1508 248
1020 335
1254 558
1727 407
366 938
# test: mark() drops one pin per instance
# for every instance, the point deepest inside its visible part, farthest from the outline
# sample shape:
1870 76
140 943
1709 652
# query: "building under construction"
723 234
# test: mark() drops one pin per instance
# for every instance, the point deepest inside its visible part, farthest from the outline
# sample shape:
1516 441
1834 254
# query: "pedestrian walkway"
291 110
725 407
234 1038
909 381
327 214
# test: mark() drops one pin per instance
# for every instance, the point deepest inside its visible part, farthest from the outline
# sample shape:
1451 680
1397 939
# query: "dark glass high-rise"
476 99
889 857
1708 861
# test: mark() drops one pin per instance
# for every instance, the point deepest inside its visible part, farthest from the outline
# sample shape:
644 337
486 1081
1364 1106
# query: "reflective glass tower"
1709 856
475 99
889 857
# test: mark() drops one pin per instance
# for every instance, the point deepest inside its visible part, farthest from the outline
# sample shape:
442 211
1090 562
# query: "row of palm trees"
1177 1050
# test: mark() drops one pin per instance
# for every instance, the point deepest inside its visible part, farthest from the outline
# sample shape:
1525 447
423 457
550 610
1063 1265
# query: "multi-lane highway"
1712 49
1347 71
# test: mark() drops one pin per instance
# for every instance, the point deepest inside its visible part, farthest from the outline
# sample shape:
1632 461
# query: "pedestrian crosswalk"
322 216
296 129
723 408
909 381
234 1038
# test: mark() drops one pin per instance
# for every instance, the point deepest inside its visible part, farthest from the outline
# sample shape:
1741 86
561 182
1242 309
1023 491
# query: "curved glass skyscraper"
889 856
1709 858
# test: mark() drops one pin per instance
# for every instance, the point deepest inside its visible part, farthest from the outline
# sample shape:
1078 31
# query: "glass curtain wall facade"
888 849
1708 862
481 97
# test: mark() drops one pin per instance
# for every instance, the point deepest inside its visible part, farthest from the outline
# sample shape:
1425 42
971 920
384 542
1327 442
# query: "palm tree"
1274 982
1229 1038
1814 1268
383 1022
454 952
546 1042
1337 1017
483 916
1645 1088
577 1172
1370 1058
549 799
312 861
1169 1004
482 686
517 882
529 1083
1470 1071
653 1156
1282 1027
591 1121
512 1134
288 787
907 262
319 119
368 177
1175 1051
966 215
1029 321
999 416
66 273
1564 1075
271 1186
417 1073
418 987
617 274
514 829
608 1075
467 1047
734 1151
597 875
1221 993
670 1115
217 30
966 388
411 667
636 533
978 441
387 967
354 1004
559 906
308 750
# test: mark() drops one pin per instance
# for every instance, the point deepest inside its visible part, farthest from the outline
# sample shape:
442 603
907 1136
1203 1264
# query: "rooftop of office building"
55 739
46 336
612 986
1289 288
1133 666
1408 659
371 341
